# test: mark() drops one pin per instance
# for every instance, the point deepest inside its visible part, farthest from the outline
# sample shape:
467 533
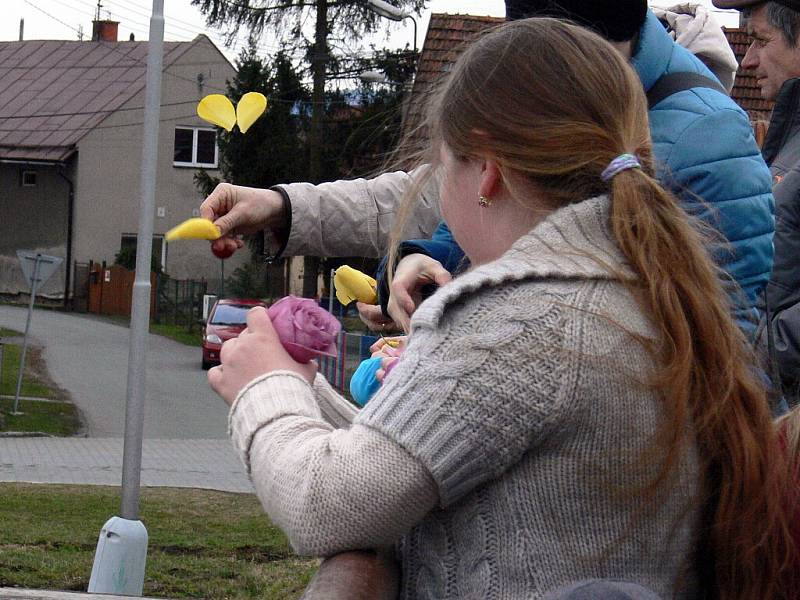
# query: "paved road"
89 358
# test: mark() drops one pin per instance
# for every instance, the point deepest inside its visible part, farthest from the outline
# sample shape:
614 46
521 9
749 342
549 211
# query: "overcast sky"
63 19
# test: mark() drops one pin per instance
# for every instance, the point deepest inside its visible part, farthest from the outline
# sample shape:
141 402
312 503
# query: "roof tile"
53 92
447 37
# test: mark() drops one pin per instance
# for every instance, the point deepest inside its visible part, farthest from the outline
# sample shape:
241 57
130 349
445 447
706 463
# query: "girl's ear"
491 179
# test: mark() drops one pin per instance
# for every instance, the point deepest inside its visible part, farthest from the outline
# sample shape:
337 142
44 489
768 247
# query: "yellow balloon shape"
251 106
217 109
352 284
193 229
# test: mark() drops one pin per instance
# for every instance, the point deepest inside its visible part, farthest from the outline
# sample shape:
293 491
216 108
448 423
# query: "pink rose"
305 329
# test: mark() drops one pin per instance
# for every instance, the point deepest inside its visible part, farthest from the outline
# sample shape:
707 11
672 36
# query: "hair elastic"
622 163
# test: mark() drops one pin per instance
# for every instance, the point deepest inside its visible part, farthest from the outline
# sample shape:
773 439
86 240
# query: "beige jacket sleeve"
355 217
330 490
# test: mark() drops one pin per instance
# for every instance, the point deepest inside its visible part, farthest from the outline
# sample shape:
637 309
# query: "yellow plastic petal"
251 106
193 229
217 109
352 284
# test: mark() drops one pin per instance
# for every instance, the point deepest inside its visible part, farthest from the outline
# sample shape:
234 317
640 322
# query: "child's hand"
389 346
387 364
411 275
255 352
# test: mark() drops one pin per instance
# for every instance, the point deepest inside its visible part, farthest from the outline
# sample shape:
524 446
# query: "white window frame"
194 162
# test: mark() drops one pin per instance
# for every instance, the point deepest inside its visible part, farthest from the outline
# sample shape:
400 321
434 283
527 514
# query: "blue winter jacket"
704 147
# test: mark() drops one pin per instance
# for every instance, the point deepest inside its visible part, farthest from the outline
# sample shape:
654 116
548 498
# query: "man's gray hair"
782 18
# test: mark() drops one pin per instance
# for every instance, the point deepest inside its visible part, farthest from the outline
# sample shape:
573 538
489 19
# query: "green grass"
9 332
32 381
54 418
202 544
179 333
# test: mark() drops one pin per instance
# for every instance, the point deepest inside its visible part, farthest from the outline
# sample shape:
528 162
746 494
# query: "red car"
227 320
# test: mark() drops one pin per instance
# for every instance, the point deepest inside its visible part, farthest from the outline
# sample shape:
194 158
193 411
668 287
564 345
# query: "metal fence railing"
352 349
179 301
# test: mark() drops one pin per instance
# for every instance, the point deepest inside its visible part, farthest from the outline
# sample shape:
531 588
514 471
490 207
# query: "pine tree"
335 22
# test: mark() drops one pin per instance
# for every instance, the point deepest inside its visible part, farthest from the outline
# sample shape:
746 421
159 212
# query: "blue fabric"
705 147
441 247
363 383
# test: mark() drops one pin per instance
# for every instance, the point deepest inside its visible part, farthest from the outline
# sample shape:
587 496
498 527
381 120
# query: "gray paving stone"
209 464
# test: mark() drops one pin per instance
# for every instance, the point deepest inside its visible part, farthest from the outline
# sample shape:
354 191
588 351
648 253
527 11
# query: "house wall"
109 166
34 219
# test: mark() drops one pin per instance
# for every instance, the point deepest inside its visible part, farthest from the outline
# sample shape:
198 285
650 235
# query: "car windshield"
230 314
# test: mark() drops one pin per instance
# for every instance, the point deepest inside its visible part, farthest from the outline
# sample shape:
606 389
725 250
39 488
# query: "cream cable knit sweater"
500 451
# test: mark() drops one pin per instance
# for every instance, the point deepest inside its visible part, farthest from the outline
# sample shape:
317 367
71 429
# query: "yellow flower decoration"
193 229
352 284
218 110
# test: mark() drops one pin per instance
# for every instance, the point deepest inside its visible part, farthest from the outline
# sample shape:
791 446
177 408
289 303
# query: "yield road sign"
42 271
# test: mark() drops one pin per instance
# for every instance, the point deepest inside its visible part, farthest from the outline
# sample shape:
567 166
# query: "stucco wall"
33 219
109 166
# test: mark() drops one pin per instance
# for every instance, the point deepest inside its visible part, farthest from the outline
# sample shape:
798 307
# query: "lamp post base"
120 558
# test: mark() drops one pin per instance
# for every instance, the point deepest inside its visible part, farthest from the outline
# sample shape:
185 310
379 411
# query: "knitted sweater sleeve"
328 489
479 388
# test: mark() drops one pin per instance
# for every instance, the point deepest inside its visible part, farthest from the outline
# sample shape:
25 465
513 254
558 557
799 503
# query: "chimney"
21 29
105 31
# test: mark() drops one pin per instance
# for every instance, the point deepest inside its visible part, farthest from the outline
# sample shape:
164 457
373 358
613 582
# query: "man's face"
769 54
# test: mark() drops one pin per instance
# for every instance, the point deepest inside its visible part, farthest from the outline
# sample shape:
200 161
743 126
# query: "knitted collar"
574 242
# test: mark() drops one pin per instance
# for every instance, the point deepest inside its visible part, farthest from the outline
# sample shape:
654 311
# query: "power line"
91 112
188 28
70 27
127 55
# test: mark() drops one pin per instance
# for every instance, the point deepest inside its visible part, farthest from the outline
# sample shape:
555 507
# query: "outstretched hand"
238 210
372 316
411 274
255 352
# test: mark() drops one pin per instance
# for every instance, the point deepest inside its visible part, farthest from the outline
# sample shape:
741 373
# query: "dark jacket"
782 153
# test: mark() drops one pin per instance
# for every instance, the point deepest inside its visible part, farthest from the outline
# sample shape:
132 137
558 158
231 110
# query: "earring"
484 201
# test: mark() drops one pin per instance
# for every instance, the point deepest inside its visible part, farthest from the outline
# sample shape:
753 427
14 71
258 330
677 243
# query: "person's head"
530 117
522 156
615 20
774 52
618 21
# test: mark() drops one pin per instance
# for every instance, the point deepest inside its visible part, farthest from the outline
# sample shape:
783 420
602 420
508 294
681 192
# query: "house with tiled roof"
71 128
446 38
448 35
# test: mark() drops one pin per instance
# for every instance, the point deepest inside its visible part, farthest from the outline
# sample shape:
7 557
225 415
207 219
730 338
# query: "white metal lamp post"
119 560
387 11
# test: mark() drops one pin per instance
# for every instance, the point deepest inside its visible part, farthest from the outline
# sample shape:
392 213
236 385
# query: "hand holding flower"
304 328
257 350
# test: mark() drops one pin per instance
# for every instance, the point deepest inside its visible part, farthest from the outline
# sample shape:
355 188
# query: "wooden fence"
110 290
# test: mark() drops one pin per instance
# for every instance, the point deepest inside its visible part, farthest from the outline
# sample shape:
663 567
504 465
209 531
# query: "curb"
24 594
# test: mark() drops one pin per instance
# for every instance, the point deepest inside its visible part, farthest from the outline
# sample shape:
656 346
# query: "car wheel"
206 365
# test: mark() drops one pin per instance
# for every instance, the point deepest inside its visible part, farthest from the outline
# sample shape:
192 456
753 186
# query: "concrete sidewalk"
208 464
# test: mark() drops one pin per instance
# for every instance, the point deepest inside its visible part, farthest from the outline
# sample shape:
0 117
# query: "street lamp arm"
413 20
386 10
